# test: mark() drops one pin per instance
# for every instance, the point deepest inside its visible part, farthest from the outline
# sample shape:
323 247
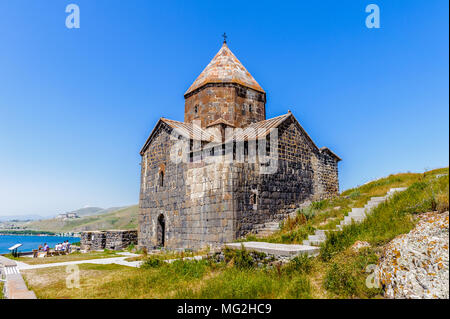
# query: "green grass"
345 270
326 214
339 271
393 217
346 275
70 257
1 289
235 283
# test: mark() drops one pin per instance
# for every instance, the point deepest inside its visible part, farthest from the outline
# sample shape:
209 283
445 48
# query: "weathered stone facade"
209 199
108 239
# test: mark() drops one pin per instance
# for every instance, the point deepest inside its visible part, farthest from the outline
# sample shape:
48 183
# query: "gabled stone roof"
187 130
225 68
220 121
263 128
260 129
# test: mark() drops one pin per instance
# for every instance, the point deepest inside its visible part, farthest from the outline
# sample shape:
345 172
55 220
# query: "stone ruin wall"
120 239
108 239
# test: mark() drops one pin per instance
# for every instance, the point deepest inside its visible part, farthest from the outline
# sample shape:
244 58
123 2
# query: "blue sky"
76 105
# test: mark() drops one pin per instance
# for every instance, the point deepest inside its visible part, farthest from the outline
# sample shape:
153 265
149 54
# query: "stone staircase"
266 229
357 215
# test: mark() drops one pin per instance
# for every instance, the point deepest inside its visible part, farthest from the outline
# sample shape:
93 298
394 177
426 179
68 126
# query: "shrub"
189 269
300 288
152 262
301 264
442 202
291 223
240 258
355 194
320 205
309 212
346 277
339 280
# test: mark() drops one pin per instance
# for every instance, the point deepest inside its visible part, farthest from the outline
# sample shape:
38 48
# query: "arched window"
253 199
161 178
161 231
196 109
250 108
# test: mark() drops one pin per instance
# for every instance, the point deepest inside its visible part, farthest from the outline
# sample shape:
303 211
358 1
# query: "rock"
416 265
360 244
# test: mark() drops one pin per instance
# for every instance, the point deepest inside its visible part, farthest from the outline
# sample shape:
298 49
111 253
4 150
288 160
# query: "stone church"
234 170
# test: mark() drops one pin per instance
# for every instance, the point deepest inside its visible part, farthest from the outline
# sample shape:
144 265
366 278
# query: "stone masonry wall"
261 198
120 239
328 175
204 204
234 103
195 201
109 239
92 240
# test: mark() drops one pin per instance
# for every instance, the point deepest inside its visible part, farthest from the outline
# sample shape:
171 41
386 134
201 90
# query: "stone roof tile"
225 68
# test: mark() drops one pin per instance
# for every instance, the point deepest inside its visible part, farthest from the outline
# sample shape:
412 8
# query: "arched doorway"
161 231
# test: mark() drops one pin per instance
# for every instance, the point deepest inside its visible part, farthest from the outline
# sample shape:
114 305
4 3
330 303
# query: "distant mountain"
91 219
19 217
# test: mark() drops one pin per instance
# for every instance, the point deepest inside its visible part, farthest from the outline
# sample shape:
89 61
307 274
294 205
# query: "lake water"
31 242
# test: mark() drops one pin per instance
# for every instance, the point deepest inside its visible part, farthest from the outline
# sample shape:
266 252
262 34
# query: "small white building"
65 216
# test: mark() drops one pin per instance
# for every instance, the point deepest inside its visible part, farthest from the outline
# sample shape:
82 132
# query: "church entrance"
161 230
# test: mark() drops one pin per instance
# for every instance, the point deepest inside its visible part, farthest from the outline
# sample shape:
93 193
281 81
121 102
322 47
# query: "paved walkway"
282 250
15 287
100 261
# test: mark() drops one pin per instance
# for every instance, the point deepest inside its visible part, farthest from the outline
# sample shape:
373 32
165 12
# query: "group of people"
64 246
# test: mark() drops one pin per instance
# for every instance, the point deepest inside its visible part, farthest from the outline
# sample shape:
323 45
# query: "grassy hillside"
339 271
87 211
124 218
326 214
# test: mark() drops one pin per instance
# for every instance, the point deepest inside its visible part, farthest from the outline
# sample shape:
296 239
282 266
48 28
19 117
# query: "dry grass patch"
71 257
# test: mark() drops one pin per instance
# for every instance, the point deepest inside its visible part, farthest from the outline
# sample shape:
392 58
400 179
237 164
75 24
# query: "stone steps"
266 229
278 250
356 215
269 228
310 245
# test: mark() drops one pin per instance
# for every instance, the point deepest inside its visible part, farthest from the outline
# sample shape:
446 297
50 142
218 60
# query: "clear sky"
76 105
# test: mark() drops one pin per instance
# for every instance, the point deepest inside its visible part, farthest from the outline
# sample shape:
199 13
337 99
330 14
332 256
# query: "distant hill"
103 219
87 211
19 217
